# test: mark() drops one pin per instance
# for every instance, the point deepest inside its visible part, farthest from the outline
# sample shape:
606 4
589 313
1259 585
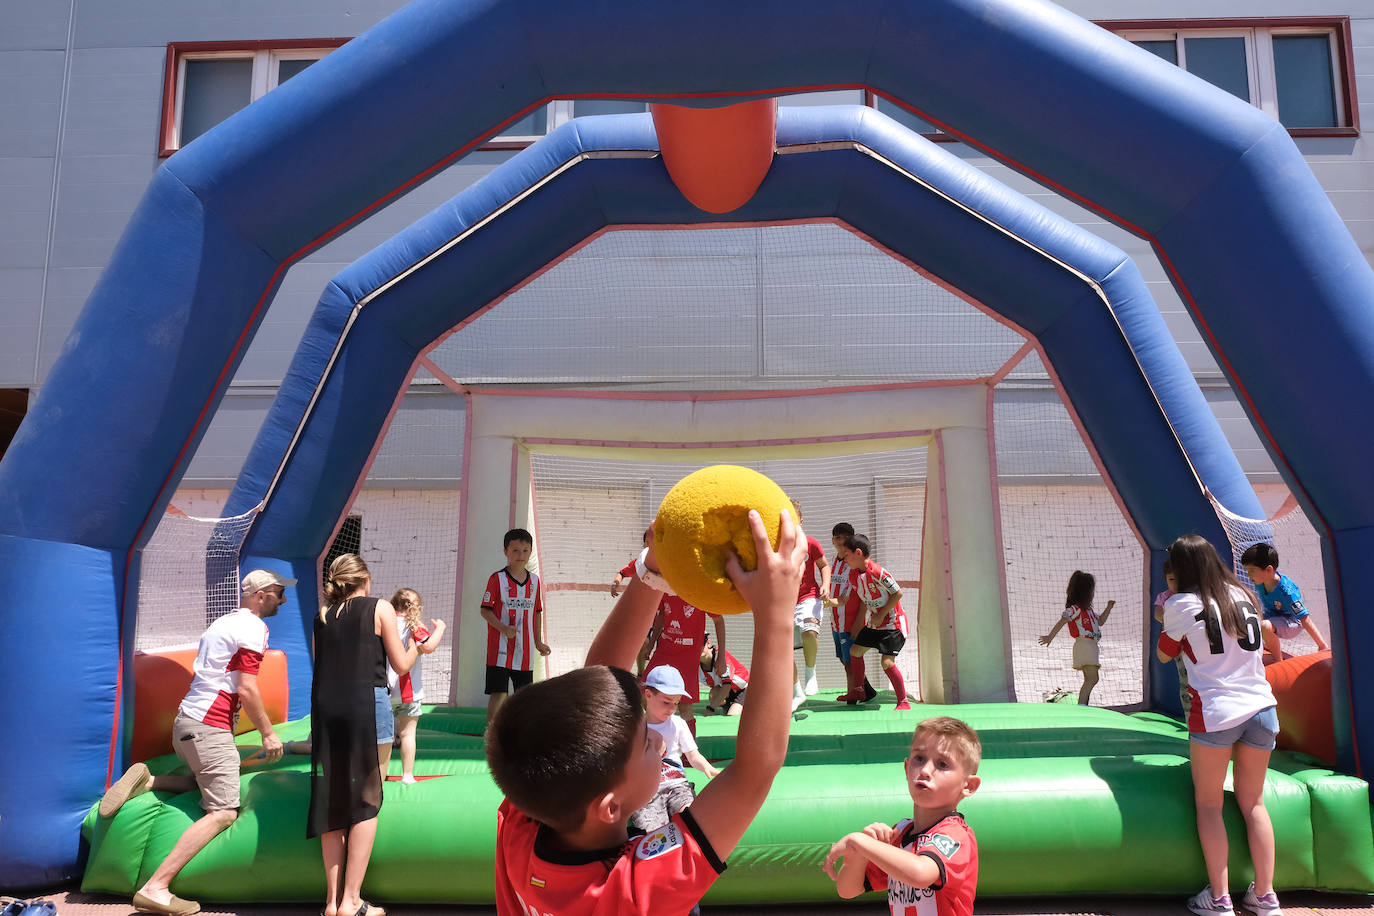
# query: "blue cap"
666 679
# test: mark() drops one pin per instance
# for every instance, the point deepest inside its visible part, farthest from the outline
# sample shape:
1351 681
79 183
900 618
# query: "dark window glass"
534 124
289 68
1302 69
1166 48
213 90
1221 62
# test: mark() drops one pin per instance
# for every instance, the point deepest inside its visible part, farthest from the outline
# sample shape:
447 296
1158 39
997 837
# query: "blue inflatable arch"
1218 188
1075 293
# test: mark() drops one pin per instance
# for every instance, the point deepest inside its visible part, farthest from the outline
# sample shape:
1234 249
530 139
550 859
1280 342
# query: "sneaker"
1204 903
903 705
797 700
135 781
811 688
408 780
1268 905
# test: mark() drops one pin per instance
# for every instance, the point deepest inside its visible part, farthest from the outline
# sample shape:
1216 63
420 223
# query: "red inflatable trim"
717 157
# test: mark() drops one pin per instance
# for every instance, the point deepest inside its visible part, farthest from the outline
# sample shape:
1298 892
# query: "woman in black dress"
355 637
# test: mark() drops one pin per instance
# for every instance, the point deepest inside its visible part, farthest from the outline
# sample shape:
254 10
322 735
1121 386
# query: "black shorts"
888 642
506 680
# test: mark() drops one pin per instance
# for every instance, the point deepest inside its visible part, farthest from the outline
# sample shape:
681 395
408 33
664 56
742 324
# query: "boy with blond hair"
933 853
575 757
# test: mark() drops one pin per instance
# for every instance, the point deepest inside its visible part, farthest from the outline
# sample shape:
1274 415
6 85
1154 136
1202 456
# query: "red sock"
894 675
856 675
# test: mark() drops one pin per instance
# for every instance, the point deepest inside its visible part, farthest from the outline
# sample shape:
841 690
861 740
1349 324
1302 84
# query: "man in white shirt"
226 676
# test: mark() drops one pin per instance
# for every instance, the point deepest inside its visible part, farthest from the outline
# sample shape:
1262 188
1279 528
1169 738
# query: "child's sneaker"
1268 905
902 706
811 688
1204 903
408 780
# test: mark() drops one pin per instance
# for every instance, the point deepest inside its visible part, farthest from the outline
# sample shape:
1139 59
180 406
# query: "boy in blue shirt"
1279 599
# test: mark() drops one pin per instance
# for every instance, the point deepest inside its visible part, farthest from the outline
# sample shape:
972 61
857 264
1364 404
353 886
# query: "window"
207 82
1297 70
348 540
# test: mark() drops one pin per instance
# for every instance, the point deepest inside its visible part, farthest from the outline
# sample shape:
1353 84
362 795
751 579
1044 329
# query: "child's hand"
508 631
881 832
437 626
542 647
778 574
1110 605
1046 640
838 851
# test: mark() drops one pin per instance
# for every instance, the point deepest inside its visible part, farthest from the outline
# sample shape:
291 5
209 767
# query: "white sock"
810 672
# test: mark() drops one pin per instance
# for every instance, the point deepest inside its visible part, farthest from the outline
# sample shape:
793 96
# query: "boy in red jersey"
677 636
928 863
575 758
844 604
513 607
880 623
815 584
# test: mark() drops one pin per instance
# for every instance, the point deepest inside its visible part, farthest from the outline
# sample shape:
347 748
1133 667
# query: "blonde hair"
407 602
346 574
961 736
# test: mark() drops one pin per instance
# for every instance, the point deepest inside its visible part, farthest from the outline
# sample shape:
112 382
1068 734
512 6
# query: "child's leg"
405 727
494 702
384 756
688 714
1271 640
856 674
1089 682
1209 775
894 676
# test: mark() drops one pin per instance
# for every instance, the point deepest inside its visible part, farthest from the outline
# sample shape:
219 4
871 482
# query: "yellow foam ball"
702 519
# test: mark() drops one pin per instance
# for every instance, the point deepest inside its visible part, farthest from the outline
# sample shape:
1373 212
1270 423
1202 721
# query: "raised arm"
1106 612
721 663
728 804
436 635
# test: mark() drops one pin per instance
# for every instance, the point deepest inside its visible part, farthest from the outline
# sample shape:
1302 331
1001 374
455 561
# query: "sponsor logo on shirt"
944 845
520 604
664 839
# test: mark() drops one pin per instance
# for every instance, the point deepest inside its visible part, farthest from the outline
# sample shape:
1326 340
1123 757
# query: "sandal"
368 909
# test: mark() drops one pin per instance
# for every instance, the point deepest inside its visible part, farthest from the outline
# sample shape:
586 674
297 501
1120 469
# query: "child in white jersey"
1232 720
407 690
662 689
1085 626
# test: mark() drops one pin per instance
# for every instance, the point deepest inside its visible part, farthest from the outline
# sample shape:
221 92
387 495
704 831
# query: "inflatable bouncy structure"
1210 181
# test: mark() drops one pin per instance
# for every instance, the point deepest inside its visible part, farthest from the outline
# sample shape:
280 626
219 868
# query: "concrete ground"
74 903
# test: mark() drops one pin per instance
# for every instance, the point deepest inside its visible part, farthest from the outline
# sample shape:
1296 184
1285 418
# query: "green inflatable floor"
1073 801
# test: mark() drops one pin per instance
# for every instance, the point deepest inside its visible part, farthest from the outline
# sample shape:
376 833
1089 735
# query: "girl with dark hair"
1232 716
1085 626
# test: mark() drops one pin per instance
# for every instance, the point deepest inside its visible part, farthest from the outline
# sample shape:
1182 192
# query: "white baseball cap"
666 679
259 579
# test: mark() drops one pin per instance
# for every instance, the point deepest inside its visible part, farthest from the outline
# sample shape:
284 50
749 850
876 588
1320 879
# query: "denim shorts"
842 643
386 724
1259 731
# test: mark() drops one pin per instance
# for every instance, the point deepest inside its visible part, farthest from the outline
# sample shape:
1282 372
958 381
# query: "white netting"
407 518
188 575
1300 556
1058 516
592 512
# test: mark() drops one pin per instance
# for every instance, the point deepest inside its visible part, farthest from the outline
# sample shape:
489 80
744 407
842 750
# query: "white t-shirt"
677 741
1225 679
232 645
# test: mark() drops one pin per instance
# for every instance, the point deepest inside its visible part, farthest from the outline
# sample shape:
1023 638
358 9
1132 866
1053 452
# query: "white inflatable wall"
959 620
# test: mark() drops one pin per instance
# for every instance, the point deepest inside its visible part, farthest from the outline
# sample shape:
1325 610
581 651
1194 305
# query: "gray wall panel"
30 99
114 102
25 204
20 291
34 26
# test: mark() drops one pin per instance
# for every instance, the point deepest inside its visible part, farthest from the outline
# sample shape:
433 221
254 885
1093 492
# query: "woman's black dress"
345 780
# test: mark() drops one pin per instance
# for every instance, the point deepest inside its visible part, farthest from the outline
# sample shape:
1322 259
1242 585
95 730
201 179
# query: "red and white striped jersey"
408 687
950 844
231 646
514 603
842 590
874 586
1083 622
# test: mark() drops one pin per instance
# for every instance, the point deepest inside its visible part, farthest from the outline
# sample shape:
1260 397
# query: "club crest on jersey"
945 845
664 839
